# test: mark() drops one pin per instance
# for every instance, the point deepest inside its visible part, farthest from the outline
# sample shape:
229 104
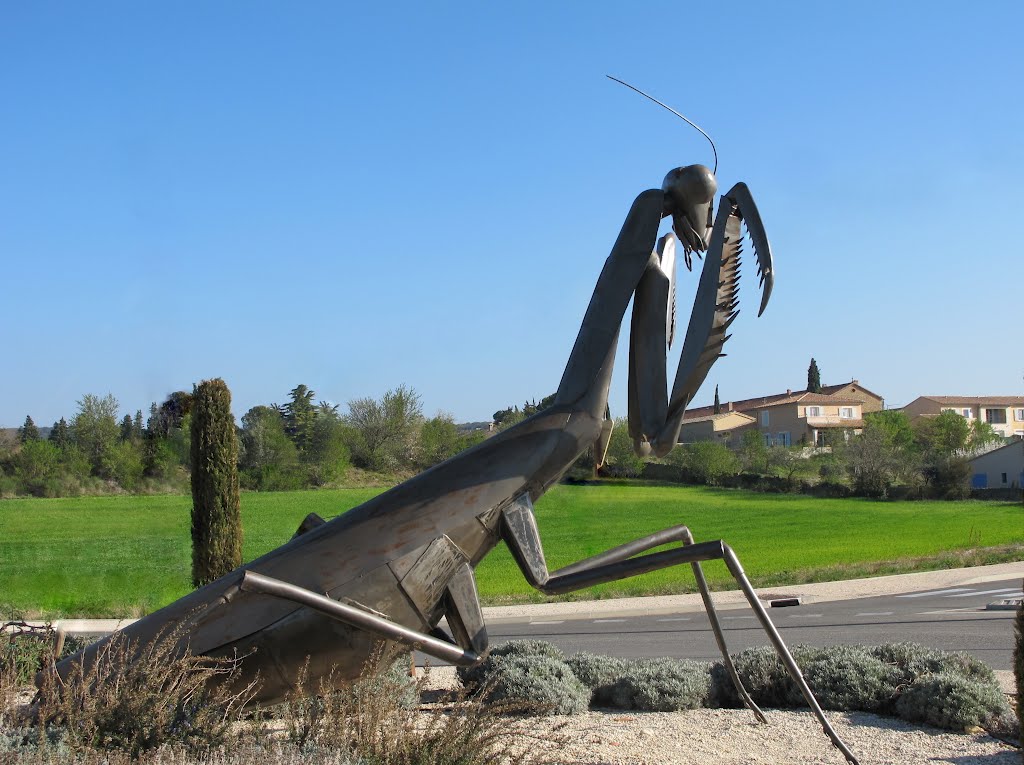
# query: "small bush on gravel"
545 683
478 674
662 685
849 678
598 673
915 661
952 701
762 674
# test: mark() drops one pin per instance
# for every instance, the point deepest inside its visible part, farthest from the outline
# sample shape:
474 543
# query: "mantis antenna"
680 116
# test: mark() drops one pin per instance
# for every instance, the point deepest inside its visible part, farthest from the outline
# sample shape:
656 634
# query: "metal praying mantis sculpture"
393 567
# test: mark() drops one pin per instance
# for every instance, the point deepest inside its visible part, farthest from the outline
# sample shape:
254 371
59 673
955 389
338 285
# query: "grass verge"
125 556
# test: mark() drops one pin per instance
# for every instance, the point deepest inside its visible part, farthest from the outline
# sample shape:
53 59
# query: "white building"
1002 468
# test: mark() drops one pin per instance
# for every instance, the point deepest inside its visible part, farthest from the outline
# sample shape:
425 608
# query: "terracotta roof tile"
712 417
759 402
979 400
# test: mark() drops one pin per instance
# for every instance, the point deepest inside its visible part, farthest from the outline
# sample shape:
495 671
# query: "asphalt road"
951 619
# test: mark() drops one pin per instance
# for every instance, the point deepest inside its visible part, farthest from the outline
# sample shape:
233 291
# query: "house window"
782 439
813 411
966 413
1018 414
768 440
846 412
764 419
1004 477
995 416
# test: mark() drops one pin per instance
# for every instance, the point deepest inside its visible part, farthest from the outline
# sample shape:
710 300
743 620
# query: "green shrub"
951 701
477 674
850 678
23 652
762 674
539 681
915 661
598 673
707 462
662 685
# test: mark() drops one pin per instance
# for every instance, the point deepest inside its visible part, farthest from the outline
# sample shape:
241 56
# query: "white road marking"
935 592
985 592
553 621
876 613
607 621
734 618
676 619
805 616
945 611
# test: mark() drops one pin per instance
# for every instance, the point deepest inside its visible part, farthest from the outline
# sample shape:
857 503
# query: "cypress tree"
718 403
216 513
813 378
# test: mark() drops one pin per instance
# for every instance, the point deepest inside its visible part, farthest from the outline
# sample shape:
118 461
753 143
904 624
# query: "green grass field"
119 556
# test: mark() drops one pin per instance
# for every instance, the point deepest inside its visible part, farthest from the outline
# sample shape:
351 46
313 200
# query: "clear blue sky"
424 193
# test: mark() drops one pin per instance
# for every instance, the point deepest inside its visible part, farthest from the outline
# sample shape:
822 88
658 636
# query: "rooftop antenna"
680 116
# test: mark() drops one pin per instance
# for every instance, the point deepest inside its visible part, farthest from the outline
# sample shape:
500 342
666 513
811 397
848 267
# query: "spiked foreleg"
519 529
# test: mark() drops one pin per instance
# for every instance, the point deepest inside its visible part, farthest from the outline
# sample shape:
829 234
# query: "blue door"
979 481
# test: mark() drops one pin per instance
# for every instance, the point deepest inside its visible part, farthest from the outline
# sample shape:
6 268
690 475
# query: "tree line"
303 443
926 457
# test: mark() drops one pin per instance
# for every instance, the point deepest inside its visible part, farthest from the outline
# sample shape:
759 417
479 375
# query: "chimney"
789 392
730 406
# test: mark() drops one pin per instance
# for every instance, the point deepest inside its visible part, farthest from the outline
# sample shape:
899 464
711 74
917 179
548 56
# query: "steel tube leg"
520 532
736 569
716 628
673 534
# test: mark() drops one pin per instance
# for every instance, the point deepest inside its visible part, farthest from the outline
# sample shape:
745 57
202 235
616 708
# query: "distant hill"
8 435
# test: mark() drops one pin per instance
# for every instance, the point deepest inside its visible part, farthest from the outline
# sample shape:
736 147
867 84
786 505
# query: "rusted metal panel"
427 579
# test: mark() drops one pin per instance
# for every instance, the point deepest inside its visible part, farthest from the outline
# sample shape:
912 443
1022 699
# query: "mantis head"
690 200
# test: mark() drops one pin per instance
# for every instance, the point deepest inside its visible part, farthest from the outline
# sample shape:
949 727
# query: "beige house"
726 428
853 390
1004 413
806 418
1002 468
789 418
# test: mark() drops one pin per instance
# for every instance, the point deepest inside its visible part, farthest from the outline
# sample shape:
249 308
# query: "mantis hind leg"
519 529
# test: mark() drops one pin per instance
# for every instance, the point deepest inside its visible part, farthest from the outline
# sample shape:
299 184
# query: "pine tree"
126 428
216 512
813 378
299 416
28 431
60 434
138 427
718 403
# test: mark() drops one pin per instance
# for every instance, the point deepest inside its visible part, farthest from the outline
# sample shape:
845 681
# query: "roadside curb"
658 605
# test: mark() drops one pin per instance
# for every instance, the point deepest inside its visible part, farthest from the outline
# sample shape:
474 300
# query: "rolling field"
123 556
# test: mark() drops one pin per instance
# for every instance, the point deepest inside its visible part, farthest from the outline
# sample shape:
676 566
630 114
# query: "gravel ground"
732 737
